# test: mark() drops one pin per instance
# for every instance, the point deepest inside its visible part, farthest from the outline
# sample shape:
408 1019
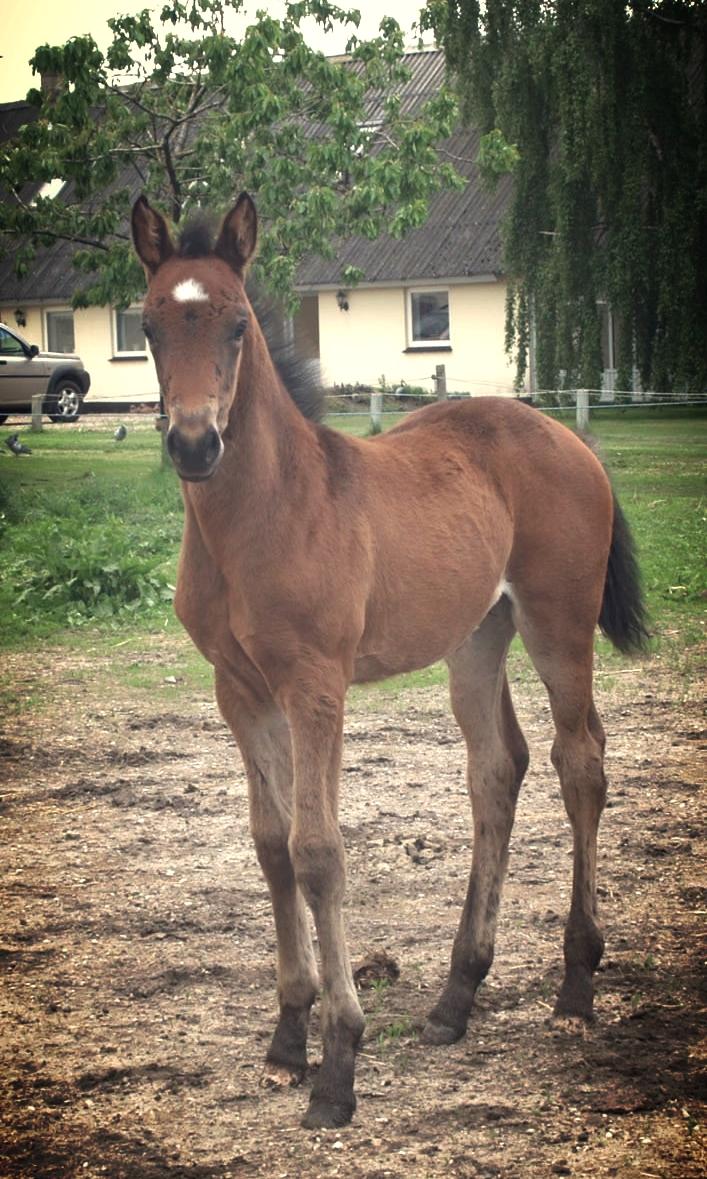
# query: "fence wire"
583 402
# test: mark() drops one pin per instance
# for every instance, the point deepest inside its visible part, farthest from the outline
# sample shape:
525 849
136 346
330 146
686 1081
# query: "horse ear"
239 234
151 236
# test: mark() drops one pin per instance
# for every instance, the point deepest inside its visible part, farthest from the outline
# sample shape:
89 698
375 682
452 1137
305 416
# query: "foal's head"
195 316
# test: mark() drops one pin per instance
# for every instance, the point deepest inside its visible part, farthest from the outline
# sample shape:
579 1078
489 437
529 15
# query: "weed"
90 572
400 1029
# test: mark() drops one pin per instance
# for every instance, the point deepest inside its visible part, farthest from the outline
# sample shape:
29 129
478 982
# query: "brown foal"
311 560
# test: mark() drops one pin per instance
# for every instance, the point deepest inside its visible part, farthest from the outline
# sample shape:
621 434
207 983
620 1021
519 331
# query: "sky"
29 23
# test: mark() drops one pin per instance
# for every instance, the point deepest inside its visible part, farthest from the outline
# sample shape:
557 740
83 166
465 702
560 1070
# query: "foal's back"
465 501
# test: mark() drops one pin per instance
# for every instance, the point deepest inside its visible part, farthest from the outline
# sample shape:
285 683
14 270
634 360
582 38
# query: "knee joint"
318 862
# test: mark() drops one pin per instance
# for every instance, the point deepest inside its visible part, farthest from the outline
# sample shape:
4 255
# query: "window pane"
130 336
60 331
430 315
9 346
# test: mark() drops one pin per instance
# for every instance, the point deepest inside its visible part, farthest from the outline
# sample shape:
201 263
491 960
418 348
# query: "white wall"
370 340
364 344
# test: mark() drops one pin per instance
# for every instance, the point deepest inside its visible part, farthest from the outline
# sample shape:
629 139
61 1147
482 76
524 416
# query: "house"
435 297
110 342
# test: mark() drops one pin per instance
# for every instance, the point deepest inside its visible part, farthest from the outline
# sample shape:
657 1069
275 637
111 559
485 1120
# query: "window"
428 318
60 331
129 336
10 345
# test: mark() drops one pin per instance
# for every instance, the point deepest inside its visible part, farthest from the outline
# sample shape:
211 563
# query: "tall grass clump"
90 572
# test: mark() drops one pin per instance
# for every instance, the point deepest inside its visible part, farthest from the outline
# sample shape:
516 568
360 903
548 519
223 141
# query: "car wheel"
64 402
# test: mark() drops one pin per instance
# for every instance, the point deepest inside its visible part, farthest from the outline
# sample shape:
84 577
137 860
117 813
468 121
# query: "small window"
10 345
60 331
429 318
129 336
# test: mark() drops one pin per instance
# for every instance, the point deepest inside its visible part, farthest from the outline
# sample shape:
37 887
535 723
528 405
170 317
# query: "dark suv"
25 371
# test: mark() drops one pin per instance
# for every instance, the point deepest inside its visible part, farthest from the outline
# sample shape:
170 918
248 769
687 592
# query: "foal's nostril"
212 446
173 444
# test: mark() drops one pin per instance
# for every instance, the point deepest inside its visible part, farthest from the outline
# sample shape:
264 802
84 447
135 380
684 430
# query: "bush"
89 571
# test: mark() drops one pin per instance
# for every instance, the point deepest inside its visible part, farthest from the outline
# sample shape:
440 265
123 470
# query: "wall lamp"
342 300
20 318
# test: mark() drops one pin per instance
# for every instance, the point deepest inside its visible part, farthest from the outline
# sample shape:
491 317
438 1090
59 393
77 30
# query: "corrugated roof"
460 239
461 236
52 275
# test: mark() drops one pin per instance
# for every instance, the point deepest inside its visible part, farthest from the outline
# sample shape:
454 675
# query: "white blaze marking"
190 291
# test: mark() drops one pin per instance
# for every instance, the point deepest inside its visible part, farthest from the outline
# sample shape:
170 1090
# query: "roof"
461 236
459 240
13 115
53 276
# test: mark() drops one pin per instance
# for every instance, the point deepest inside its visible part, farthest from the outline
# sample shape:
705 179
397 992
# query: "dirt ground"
137 949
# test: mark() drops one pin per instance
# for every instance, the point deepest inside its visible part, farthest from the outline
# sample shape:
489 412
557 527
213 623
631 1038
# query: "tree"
601 108
182 110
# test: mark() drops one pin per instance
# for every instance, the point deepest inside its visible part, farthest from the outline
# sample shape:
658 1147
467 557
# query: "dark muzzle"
196 456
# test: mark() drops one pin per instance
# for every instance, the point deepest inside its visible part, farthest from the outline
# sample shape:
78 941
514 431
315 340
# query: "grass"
89 531
90 528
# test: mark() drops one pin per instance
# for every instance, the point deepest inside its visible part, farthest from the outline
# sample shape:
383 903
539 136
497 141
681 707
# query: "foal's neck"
265 427
270 451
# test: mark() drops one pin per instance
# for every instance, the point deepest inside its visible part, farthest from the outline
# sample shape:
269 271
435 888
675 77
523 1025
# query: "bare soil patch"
137 949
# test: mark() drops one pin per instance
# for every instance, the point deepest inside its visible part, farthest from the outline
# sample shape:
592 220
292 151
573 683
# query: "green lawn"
89 528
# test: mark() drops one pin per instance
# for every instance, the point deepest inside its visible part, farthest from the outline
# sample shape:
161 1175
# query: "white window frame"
61 310
117 352
412 343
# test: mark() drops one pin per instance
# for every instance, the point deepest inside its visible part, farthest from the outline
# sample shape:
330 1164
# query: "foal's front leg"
314 704
263 736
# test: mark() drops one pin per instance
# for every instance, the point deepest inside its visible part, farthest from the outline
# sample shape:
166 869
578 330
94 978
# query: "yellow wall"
369 341
111 380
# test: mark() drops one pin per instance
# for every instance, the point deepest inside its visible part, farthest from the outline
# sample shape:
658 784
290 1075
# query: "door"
20 374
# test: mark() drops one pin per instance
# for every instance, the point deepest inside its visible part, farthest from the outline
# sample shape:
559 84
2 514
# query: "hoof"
570 1025
441 1033
280 1076
575 1002
327 1115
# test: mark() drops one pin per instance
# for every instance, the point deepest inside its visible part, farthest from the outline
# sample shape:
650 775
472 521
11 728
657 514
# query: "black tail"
623 614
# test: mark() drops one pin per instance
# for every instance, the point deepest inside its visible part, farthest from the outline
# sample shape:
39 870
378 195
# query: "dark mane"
197 235
299 375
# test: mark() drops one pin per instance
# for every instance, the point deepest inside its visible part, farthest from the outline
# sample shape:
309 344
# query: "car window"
10 345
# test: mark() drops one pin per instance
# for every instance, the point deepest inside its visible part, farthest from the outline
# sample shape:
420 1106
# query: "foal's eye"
239 329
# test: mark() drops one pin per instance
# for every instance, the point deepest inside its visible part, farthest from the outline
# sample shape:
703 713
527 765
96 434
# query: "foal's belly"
414 636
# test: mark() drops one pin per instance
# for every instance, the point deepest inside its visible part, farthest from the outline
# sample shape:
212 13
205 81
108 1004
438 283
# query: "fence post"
582 409
37 402
440 380
376 410
161 424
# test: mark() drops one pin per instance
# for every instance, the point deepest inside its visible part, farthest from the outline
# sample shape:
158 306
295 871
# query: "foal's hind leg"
497 761
263 737
563 657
